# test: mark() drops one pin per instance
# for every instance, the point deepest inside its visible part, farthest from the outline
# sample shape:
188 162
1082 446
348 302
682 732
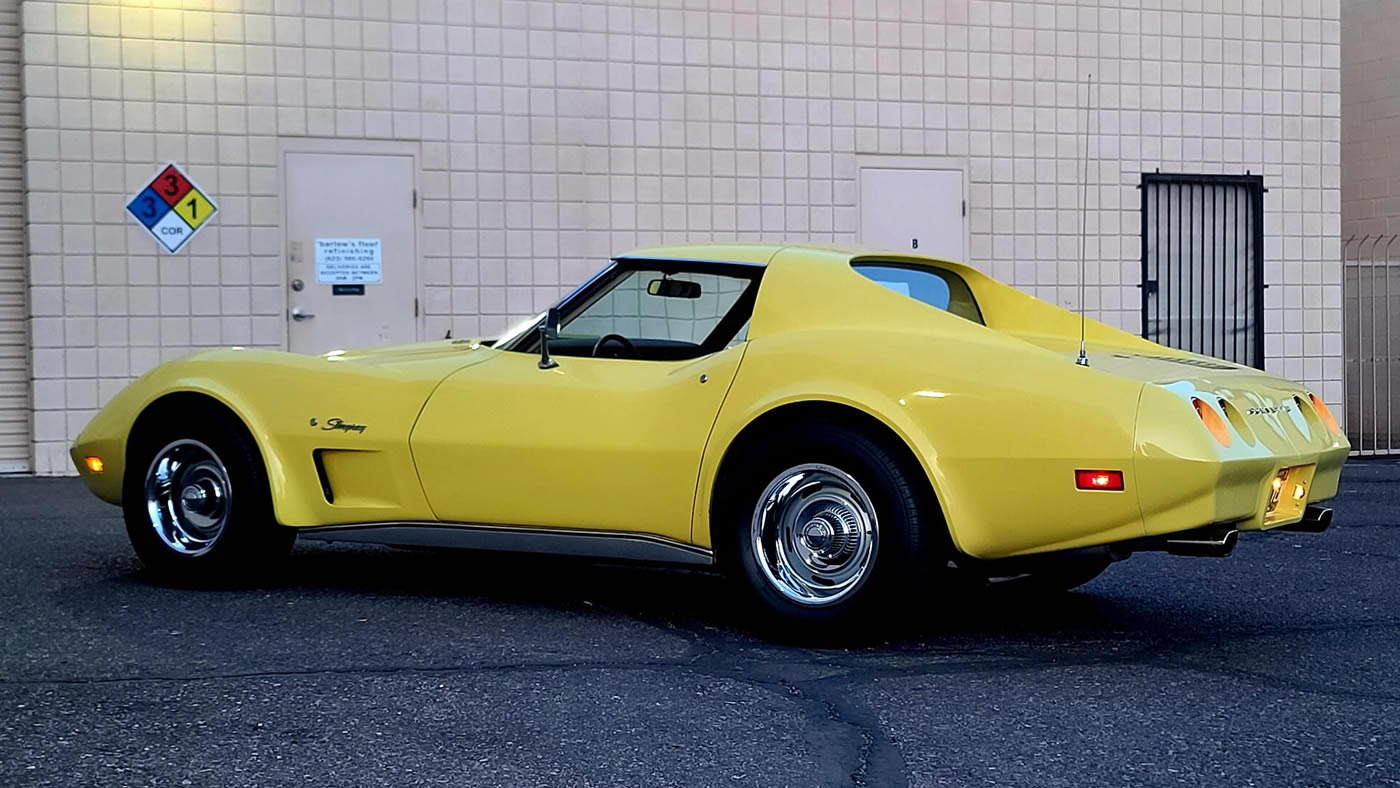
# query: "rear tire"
824 526
196 502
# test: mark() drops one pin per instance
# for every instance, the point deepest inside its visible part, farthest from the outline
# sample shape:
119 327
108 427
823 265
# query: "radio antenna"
1083 359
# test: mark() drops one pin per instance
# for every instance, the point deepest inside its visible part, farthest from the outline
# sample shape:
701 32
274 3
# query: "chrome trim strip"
696 260
517 539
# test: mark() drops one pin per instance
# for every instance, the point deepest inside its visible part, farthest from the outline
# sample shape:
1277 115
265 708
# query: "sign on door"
348 261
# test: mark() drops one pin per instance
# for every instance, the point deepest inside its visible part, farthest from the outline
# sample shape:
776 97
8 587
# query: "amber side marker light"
94 464
1213 421
1327 417
1099 480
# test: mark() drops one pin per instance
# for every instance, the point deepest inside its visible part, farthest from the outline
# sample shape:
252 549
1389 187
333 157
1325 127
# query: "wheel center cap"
817 533
195 498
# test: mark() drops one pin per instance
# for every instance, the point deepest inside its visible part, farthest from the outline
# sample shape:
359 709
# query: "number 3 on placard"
150 210
172 185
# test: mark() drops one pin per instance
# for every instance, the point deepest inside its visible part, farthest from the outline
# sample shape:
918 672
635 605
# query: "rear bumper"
1238 493
1193 489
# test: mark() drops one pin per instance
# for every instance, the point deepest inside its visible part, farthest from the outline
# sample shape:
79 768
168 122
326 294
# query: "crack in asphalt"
873 758
1364 554
861 774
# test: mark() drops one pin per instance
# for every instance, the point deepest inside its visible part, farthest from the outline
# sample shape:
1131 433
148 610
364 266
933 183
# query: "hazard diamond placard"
172 208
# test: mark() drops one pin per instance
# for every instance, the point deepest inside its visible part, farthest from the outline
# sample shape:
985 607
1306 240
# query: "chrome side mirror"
549 329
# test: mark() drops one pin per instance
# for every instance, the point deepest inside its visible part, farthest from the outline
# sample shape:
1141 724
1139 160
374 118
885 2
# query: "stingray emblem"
340 424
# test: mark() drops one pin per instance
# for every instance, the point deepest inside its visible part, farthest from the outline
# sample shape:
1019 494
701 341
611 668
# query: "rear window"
939 289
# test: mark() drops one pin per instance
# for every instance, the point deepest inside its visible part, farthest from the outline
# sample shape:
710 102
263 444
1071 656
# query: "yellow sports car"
833 426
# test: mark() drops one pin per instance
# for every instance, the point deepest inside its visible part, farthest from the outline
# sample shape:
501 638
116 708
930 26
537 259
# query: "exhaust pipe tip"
1316 519
1205 545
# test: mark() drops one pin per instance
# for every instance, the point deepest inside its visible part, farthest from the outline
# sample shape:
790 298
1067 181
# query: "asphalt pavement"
373 666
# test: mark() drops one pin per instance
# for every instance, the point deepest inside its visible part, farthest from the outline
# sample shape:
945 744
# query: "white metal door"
352 261
14 343
907 210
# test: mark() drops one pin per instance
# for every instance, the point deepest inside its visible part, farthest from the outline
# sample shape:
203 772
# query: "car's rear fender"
999 428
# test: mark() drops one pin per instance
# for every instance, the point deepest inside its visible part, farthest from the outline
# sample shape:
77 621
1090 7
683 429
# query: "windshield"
516 331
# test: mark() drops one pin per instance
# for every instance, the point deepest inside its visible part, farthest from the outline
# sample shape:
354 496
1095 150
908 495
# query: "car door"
595 442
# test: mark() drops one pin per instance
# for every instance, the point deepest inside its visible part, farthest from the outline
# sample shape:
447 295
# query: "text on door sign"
348 261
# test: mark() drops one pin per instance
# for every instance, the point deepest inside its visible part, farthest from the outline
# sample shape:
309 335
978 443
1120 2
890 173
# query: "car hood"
413 351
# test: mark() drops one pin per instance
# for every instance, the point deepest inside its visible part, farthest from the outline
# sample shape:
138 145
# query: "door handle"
299 315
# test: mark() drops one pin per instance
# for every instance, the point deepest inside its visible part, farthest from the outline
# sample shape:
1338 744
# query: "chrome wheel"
187 496
815 534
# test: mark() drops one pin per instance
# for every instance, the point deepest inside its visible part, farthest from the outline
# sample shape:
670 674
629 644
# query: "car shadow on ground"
701 601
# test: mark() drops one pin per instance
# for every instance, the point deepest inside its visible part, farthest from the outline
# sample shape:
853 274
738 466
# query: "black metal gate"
1371 339
1203 264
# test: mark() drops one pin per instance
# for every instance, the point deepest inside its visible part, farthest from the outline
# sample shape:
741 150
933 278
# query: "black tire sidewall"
250 534
901 545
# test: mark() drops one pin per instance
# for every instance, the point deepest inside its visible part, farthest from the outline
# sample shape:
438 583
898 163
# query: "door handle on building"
299 315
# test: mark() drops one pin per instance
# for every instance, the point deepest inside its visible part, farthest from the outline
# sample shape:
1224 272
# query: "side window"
683 307
742 335
939 289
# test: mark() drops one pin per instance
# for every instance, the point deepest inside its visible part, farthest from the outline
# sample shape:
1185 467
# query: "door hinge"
415 198
415 307
964 208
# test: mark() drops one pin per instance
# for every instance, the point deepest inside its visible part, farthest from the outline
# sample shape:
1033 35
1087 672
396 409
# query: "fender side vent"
321 474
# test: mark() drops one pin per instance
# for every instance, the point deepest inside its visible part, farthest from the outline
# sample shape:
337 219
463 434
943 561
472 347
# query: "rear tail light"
1327 417
1237 420
1213 421
1099 480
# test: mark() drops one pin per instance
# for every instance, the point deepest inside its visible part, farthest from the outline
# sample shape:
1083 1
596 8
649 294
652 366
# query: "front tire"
827 527
197 505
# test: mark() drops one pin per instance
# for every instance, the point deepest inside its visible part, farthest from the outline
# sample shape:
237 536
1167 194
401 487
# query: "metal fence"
1371 340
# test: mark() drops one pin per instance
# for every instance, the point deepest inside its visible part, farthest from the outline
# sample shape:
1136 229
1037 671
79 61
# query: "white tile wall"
555 133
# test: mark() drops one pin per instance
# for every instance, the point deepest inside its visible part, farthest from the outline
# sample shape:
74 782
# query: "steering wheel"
619 339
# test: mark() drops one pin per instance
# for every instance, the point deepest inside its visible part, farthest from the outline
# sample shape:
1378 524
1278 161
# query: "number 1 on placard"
194 207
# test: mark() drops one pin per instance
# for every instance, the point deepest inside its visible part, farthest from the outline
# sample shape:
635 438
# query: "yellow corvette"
834 426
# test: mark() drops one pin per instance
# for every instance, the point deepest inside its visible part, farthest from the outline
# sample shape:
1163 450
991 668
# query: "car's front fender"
291 405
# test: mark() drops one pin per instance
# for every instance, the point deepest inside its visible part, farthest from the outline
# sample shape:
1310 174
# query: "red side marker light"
1099 480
